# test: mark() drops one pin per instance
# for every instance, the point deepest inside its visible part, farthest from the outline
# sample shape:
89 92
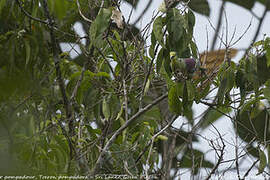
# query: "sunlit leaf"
162 137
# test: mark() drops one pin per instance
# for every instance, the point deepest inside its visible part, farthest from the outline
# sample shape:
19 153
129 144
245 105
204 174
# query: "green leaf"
162 137
157 29
200 162
2 4
212 115
175 105
222 90
153 45
190 90
27 52
264 71
267 48
248 4
100 25
106 109
263 162
191 21
248 105
185 95
62 142
120 112
250 127
167 62
253 151
59 8
175 26
268 152
200 6
194 48
266 93
160 59
147 86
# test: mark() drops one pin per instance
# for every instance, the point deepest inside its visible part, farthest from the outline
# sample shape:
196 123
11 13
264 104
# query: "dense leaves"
110 107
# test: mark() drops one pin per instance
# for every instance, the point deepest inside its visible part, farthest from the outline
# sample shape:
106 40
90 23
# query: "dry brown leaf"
117 18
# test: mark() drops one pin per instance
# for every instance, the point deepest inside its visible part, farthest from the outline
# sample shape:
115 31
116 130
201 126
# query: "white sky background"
237 17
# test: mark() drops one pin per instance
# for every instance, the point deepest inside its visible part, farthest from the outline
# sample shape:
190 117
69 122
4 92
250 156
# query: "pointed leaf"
147 86
106 109
157 29
175 105
263 162
2 4
100 24
27 52
212 115
200 6
159 60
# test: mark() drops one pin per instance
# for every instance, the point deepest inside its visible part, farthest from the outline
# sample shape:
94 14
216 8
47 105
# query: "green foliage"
175 104
249 4
200 6
263 162
158 30
99 26
186 160
59 115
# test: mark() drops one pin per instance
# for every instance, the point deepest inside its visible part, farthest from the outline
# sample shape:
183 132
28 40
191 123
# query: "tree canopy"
109 108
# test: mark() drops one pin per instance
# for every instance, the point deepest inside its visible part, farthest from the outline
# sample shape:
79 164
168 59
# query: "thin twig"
218 25
153 140
79 9
102 155
144 11
251 167
125 99
31 17
220 156
147 76
75 90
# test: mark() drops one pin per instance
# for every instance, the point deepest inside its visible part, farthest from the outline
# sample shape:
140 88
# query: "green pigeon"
183 68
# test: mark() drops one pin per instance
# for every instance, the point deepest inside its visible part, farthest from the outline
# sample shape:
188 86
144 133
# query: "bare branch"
144 11
221 10
220 156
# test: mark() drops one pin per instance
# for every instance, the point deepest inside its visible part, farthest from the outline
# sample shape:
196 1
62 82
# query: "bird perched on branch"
183 68
207 66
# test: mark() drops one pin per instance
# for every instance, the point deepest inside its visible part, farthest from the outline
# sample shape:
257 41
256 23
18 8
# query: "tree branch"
102 155
56 51
144 11
29 15
218 25
80 12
